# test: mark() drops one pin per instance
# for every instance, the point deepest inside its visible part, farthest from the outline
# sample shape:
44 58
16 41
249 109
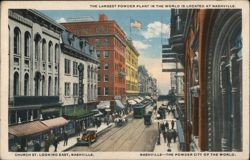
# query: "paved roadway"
134 136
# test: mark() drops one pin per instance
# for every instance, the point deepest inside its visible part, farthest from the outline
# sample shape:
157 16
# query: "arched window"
49 86
56 52
27 44
50 52
44 50
16 84
43 86
26 84
17 34
55 90
37 46
37 83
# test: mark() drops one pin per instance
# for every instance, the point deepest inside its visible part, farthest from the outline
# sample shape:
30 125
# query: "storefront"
24 137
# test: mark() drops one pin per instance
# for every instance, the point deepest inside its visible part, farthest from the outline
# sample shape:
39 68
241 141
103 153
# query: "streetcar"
139 110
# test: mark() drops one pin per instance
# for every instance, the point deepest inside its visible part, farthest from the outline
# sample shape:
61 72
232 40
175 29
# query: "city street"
134 136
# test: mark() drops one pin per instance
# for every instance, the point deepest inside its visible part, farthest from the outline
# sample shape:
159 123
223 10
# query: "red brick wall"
116 50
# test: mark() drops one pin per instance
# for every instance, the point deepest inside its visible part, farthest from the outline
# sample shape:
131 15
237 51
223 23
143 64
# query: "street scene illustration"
165 80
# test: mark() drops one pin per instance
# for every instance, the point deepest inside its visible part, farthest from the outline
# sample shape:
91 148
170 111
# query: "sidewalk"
73 140
163 146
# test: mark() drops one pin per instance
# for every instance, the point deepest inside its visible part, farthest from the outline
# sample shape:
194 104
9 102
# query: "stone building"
208 44
131 69
109 41
34 49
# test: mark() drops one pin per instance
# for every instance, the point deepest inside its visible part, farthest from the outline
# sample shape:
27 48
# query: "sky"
154 31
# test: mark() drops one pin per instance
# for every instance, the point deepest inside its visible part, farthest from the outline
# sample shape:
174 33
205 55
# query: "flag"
135 24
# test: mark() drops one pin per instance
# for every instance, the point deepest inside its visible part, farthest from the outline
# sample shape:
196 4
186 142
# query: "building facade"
34 50
110 44
131 69
78 72
209 43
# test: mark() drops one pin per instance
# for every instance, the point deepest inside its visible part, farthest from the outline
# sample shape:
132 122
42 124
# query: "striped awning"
26 129
55 122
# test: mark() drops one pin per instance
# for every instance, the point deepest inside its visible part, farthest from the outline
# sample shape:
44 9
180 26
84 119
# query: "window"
99 77
16 41
37 47
106 66
67 89
105 29
106 78
50 52
106 54
26 84
55 87
106 42
97 42
98 54
97 30
106 91
99 91
26 44
66 66
49 86
98 66
16 84
75 89
56 52
44 50
75 69
43 85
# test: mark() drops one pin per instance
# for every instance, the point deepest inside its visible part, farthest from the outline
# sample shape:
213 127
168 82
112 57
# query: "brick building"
109 41
208 44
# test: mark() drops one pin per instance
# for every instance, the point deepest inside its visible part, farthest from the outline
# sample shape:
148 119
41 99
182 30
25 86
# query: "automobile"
87 137
147 119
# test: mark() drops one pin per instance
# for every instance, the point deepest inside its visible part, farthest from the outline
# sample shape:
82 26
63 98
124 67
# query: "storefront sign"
80 69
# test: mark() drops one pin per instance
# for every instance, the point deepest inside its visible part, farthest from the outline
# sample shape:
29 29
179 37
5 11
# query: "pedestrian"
166 125
162 128
37 146
56 141
174 135
172 124
169 137
164 136
46 144
65 138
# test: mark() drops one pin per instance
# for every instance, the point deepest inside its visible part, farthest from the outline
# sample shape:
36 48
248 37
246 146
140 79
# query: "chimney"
103 17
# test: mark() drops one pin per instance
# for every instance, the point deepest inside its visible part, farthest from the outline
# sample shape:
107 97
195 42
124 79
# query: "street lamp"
159 133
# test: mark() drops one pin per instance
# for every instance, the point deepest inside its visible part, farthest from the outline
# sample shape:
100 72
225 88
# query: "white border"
64 5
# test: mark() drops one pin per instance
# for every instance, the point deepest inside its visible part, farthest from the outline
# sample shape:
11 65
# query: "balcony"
38 101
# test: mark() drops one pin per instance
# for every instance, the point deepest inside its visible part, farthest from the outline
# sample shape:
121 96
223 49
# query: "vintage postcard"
124 80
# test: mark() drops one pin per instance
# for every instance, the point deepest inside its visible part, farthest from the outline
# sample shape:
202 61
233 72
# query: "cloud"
154 67
140 45
61 20
155 29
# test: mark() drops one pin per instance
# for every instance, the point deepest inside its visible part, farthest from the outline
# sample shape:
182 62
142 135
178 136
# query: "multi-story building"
208 43
78 74
109 41
34 49
131 69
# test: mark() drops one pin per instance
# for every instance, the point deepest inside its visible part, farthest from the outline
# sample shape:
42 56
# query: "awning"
147 97
55 122
119 104
103 105
137 100
98 113
132 102
181 101
26 129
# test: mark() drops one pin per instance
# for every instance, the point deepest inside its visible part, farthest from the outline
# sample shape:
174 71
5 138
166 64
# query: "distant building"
109 41
131 69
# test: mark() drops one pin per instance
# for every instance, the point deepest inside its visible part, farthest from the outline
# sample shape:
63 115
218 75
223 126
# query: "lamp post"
159 133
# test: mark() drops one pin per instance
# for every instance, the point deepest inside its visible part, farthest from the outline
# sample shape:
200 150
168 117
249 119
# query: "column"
225 143
236 114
